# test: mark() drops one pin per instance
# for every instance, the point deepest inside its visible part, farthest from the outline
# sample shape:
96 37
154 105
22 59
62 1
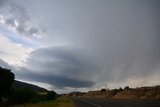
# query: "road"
90 102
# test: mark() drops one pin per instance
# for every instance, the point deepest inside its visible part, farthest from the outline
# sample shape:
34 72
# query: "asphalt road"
89 102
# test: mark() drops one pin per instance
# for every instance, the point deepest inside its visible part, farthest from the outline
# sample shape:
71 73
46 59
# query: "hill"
19 84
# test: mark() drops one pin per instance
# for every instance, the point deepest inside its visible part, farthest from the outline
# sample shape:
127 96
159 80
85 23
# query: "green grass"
59 102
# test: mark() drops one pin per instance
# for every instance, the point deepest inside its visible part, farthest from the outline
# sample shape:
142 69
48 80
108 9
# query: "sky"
81 45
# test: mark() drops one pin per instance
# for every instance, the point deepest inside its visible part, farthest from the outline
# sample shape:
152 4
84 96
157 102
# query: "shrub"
120 89
103 90
51 95
114 91
38 98
126 87
22 95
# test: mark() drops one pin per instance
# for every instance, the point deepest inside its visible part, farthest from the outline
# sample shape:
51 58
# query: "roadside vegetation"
103 93
150 93
59 102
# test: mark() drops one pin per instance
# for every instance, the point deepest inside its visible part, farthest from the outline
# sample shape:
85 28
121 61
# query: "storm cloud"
59 82
122 37
59 66
93 43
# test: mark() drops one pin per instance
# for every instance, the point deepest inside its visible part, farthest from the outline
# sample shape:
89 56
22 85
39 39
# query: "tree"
126 87
6 80
120 89
103 90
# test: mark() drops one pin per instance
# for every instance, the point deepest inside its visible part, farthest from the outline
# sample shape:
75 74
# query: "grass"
59 102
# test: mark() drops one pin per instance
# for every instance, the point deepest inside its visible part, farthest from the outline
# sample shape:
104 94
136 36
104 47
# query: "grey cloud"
32 31
4 64
27 32
11 22
24 20
59 66
21 29
56 81
2 2
122 37
19 12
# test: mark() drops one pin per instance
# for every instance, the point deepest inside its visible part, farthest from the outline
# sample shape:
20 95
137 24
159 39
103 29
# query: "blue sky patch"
16 38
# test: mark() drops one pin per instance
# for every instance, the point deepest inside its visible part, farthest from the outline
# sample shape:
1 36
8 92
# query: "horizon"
81 45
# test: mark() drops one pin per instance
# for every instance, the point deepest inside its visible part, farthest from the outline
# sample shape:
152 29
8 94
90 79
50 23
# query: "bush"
114 91
103 90
38 98
51 95
22 95
126 87
120 89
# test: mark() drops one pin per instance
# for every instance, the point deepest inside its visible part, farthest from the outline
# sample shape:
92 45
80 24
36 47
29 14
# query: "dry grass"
59 102
152 92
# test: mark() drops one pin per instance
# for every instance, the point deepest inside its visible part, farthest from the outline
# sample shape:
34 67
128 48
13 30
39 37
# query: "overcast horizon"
80 45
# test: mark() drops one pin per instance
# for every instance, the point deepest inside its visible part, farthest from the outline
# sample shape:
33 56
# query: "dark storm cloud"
55 81
60 67
122 37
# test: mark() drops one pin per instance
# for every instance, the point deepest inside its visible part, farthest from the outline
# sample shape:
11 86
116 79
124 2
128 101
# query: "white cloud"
2 20
12 53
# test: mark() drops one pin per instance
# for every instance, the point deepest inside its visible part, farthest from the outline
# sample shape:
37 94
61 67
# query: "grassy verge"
59 102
